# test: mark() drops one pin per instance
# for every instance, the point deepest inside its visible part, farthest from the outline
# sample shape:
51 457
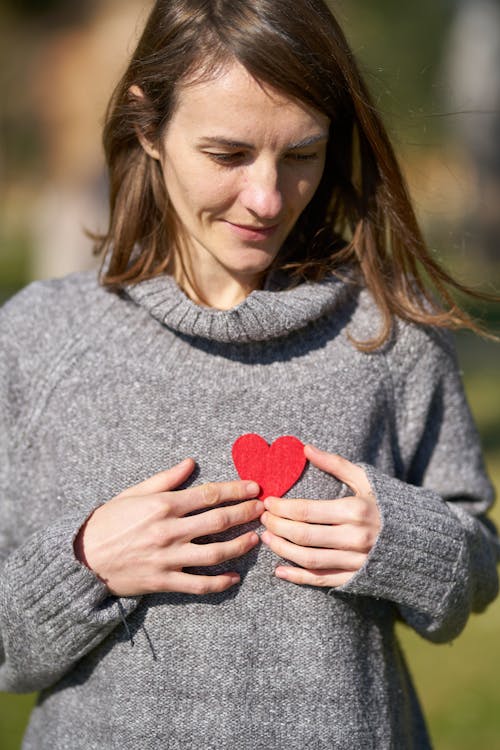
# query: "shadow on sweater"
313 336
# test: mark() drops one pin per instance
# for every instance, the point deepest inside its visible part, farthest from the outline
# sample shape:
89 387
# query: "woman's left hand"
329 539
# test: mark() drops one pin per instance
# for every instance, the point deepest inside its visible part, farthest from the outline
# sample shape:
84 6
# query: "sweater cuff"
67 605
420 549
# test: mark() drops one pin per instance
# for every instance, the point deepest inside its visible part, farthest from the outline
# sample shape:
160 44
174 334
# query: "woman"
261 276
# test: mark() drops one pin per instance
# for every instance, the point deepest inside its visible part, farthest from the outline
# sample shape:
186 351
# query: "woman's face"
240 161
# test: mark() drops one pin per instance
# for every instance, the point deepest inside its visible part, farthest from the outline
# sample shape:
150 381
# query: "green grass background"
458 683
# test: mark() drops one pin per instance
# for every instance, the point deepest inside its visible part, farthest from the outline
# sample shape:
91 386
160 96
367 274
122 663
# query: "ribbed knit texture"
99 391
263 315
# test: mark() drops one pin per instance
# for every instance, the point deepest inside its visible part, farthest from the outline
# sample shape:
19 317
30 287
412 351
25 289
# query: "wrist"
80 545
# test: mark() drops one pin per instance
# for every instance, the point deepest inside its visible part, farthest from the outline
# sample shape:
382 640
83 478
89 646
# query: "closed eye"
295 156
228 158
237 157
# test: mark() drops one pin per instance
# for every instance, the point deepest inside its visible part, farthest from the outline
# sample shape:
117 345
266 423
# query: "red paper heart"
274 467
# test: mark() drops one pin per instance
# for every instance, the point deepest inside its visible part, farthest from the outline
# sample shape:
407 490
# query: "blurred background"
434 69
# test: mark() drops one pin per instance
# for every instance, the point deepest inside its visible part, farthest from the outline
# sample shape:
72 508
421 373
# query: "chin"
250 273
254 263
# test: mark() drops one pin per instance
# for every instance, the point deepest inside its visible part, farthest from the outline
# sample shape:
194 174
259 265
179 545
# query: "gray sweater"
99 391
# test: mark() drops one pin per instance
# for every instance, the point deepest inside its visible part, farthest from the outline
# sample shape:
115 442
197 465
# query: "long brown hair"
361 215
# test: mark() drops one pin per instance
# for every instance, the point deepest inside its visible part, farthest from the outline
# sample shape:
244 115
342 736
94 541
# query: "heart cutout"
274 467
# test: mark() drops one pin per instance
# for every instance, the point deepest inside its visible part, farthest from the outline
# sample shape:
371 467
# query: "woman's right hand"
140 541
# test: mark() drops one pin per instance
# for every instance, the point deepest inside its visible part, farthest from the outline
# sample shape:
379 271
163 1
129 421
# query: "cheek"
305 189
180 183
318 174
199 191
217 192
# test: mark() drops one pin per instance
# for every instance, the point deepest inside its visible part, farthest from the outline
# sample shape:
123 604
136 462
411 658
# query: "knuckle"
210 493
311 560
220 522
160 533
359 511
303 512
201 585
243 544
165 505
271 523
223 520
364 540
158 536
237 490
160 504
213 554
250 510
304 536
365 509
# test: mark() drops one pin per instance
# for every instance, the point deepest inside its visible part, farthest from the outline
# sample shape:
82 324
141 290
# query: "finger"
219 552
212 493
329 578
352 475
340 511
188 583
340 537
311 557
163 481
219 519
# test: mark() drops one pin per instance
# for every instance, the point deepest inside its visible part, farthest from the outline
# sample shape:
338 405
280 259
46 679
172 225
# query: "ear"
137 93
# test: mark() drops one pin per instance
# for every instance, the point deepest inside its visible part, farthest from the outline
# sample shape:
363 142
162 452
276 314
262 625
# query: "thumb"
163 481
348 473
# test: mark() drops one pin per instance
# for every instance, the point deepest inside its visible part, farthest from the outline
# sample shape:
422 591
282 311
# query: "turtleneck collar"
265 314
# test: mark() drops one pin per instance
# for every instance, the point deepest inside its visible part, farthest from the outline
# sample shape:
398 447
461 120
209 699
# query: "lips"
252 232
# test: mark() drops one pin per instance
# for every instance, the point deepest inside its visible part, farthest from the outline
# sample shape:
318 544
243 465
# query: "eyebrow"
219 140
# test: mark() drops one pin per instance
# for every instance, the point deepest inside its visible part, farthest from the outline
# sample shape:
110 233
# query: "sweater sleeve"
53 610
436 553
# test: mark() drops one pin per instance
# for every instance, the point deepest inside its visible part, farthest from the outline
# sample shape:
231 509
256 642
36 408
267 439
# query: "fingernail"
234 577
253 487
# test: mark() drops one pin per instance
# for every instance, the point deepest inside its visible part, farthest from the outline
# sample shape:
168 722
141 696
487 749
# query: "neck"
212 285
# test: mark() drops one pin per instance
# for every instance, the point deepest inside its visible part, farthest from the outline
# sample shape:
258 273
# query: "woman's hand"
140 541
329 539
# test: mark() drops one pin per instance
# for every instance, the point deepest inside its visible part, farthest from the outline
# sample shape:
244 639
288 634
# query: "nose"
261 193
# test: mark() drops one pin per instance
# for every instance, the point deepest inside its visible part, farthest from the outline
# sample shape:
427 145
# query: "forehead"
233 100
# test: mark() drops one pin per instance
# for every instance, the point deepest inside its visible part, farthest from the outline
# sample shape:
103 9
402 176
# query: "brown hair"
360 216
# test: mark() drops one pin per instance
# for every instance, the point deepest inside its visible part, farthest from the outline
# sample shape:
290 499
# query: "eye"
297 156
226 158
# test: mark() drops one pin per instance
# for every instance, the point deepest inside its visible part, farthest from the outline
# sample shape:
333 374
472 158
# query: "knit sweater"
99 391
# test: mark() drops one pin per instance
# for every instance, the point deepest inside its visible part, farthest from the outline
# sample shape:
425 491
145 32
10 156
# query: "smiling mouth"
258 231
